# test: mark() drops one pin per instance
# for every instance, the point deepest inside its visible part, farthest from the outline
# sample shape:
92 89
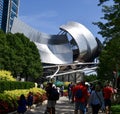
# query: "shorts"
107 102
80 106
30 103
51 103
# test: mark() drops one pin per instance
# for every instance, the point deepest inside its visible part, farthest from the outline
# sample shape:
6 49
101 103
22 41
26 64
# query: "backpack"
54 94
78 94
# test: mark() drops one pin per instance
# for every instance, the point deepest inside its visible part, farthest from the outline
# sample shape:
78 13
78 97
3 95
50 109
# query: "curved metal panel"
55 54
83 37
53 49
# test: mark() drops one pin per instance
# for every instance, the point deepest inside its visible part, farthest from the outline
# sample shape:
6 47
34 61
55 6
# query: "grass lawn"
115 109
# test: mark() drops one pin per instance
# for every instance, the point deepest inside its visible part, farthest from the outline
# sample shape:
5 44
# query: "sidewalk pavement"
63 106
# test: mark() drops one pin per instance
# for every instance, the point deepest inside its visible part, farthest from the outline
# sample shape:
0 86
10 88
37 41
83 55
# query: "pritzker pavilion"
63 55
73 43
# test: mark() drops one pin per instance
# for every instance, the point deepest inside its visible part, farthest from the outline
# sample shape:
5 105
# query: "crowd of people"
96 96
81 93
84 95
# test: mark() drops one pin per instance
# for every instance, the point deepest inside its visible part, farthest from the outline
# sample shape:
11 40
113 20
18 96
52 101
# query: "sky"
48 15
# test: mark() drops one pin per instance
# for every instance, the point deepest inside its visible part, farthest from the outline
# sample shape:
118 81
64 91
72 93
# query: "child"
30 100
22 105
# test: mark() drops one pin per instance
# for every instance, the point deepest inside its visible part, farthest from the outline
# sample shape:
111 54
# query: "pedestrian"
72 88
50 102
96 100
108 92
80 93
61 90
30 100
22 105
58 89
88 89
70 92
41 86
92 87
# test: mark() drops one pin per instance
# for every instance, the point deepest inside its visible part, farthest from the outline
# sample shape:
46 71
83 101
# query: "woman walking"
22 105
96 100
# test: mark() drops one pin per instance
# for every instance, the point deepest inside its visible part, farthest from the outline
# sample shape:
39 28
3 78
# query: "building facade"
8 10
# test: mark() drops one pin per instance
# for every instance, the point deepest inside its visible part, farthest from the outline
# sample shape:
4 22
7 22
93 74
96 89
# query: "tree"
20 56
110 30
109 60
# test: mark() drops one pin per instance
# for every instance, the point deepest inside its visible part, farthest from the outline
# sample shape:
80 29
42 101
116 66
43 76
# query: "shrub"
12 85
6 76
115 109
66 85
8 99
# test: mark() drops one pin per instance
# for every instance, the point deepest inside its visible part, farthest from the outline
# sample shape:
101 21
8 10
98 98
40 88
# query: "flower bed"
8 100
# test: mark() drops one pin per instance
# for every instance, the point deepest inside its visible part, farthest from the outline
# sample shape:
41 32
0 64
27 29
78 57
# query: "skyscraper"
8 10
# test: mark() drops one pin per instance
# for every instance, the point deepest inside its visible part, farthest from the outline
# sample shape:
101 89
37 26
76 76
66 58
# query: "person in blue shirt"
96 100
22 105
30 100
70 92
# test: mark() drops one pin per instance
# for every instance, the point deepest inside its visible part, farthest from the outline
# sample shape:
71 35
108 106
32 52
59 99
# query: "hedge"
12 85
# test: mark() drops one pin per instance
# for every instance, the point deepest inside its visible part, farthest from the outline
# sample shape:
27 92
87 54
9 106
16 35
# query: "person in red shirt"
80 103
107 93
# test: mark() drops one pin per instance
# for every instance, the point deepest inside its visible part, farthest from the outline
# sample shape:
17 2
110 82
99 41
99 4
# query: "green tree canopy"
110 27
110 30
109 60
20 56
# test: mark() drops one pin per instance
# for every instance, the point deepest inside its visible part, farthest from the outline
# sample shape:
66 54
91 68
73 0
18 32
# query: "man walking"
80 93
51 102
108 91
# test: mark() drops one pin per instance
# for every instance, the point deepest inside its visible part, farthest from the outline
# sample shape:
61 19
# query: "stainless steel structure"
73 43
82 39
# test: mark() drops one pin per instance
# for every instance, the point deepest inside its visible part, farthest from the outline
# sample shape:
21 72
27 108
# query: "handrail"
55 74
79 63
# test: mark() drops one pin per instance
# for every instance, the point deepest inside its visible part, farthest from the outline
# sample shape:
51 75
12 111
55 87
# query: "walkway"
62 107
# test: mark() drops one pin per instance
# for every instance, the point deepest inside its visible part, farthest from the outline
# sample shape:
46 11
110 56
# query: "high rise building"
8 10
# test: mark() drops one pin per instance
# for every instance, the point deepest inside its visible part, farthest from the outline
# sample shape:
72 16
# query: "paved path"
63 106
